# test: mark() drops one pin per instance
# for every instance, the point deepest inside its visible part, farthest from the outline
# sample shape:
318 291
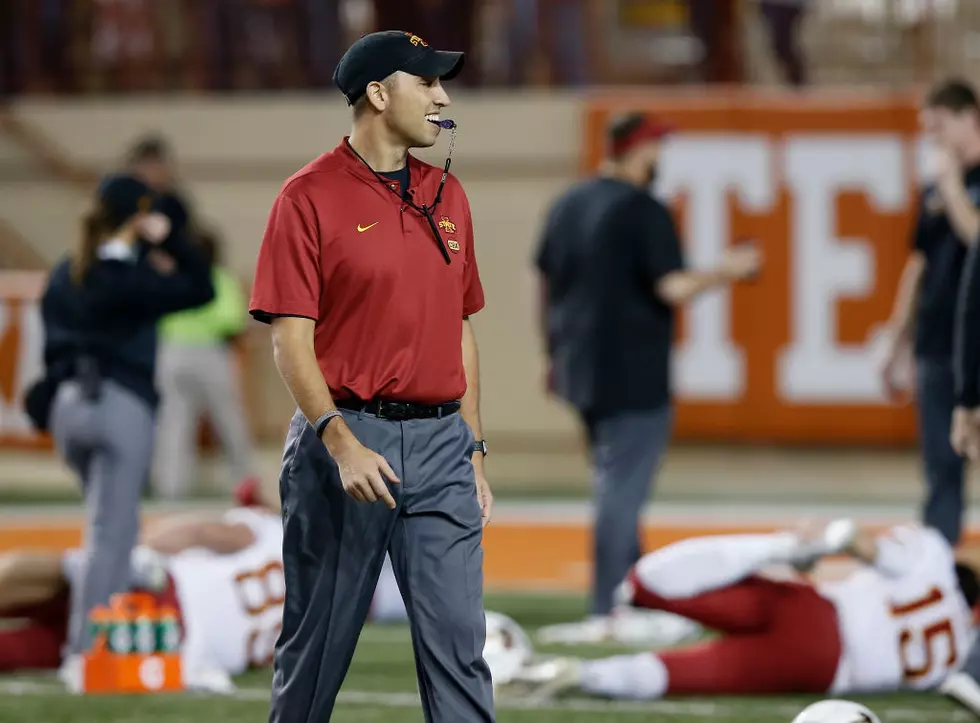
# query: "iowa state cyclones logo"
446 225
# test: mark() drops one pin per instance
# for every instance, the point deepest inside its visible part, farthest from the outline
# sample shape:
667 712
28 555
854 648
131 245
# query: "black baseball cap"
123 196
377 55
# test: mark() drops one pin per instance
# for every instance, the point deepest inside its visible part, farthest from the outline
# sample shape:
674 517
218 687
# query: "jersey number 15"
925 636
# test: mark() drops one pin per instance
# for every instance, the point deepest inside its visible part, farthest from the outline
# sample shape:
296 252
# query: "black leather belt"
399 411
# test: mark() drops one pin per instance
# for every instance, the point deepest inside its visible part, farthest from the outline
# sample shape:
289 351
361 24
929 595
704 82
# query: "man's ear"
377 95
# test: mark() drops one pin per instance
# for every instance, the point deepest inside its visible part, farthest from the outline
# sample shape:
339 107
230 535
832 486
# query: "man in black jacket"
923 318
964 686
612 276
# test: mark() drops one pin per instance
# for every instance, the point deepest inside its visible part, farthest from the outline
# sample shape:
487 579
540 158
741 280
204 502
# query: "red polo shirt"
343 249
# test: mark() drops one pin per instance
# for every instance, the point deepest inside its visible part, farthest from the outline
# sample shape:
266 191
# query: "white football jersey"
904 621
232 604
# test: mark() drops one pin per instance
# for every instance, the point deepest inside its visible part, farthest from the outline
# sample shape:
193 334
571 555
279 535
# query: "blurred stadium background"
806 141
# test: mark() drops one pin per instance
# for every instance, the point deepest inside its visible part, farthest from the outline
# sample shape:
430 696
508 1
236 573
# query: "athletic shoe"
626 626
964 689
652 629
148 569
72 674
594 629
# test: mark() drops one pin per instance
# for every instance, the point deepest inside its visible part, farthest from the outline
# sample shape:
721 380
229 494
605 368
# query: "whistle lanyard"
424 210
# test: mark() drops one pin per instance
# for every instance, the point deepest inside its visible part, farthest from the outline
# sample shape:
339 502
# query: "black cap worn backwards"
377 55
123 196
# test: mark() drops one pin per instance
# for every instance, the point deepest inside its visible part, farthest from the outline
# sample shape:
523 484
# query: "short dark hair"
623 126
969 583
955 95
149 148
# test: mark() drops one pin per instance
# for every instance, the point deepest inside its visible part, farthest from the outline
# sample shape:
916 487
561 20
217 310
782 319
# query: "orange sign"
21 348
827 186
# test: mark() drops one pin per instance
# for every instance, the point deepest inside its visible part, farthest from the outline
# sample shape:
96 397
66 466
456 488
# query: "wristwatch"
480 446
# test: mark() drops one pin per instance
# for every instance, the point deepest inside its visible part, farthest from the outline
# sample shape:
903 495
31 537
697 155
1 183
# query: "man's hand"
741 262
362 471
965 434
483 493
898 354
154 227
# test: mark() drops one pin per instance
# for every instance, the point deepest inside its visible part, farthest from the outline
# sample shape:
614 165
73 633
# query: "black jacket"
112 316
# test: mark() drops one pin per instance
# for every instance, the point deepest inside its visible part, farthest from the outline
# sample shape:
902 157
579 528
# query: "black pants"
942 466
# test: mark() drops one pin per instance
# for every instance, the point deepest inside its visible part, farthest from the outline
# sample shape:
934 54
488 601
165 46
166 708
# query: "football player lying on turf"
222 572
903 620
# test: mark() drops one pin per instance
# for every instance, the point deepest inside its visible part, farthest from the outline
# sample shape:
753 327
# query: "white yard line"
693 709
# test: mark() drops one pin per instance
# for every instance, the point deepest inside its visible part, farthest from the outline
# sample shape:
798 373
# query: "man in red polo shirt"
367 275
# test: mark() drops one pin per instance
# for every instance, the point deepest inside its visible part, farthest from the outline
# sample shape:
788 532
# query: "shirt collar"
359 168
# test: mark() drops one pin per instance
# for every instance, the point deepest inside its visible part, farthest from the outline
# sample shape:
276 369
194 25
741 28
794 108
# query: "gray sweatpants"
333 550
194 380
108 443
626 450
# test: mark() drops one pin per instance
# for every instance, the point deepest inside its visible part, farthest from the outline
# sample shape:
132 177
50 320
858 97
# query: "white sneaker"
549 678
627 626
594 629
208 679
148 569
962 688
652 628
72 674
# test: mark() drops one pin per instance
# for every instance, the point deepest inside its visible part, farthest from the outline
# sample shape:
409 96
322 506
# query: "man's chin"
425 142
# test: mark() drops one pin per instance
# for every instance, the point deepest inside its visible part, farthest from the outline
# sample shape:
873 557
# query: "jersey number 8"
258 591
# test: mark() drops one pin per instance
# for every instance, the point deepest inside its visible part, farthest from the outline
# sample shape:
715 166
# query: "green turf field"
381 688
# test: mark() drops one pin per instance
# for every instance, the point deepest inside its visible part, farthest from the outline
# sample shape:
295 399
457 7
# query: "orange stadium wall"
826 184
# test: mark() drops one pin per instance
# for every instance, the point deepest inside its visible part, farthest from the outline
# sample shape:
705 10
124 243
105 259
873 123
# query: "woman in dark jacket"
100 313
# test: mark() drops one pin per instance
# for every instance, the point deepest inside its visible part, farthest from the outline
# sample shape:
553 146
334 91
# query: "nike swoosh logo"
362 229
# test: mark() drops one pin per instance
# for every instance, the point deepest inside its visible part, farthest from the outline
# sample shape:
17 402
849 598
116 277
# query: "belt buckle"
392 410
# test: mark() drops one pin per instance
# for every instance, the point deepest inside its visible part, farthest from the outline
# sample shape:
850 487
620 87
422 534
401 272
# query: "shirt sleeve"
228 316
654 231
966 342
473 298
287 274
